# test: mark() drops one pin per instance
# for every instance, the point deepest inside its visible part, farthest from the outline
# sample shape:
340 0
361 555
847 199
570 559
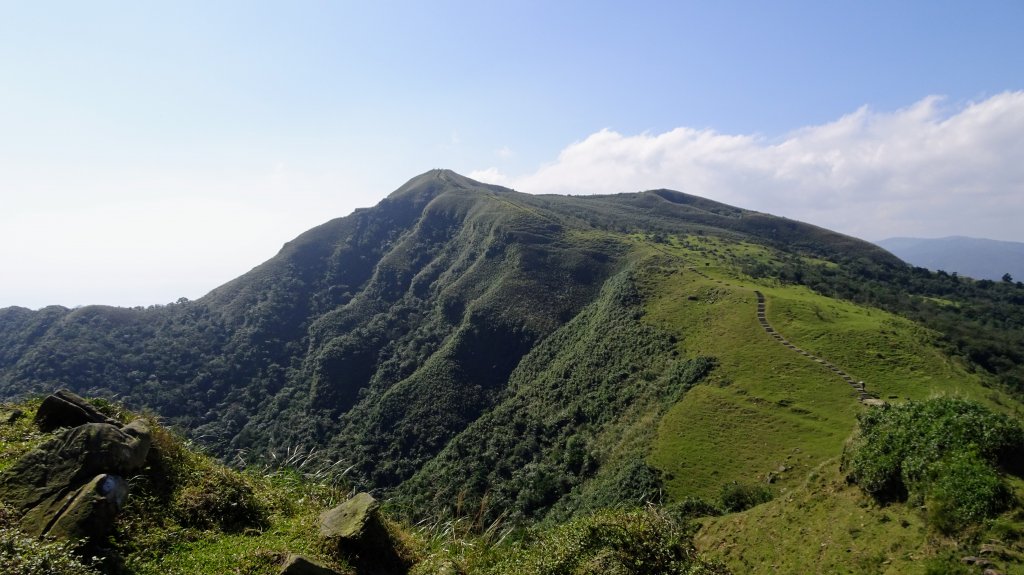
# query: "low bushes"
638 542
946 454
742 496
25 555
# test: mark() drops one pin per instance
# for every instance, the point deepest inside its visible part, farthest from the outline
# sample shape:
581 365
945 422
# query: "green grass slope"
188 514
497 360
827 525
771 416
381 335
768 412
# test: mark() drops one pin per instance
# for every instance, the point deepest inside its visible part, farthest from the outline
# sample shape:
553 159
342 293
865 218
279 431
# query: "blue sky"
150 151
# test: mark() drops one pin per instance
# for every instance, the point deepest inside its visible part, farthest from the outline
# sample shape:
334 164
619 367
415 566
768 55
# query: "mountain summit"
462 345
387 331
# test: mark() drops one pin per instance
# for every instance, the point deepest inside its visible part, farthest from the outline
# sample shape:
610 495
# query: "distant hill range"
974 257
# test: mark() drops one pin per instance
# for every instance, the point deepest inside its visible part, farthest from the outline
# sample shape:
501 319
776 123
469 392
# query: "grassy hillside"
765 407
188 514
826 525
380 336
498 361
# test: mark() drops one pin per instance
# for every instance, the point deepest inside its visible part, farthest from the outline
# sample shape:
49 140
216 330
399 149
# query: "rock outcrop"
299 565
69 461
356 531
88 511
10 415
65 409
73 485
354 522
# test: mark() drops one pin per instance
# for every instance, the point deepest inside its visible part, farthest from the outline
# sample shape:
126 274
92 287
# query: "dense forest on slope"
471 346
187 514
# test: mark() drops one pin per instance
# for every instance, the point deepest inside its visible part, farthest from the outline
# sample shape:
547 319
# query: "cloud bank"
927 170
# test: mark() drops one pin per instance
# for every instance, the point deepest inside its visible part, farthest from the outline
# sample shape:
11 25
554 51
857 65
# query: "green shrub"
638 542
220 498
25 555
692 507
946 453
737 496
964 490
193 489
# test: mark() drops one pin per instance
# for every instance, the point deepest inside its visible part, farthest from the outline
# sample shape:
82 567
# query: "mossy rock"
353 520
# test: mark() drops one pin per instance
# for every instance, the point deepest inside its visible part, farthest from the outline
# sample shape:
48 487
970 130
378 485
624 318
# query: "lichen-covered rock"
353 520
71 486
65 463
356 530
66 409
84 513
299 565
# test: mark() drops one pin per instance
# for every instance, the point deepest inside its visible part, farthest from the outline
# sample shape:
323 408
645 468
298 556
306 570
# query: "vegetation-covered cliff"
473 352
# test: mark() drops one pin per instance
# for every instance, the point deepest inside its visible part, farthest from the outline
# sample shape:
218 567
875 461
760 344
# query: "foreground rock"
9 415
66 409
355 529
354 522
72 486
67 462
84 513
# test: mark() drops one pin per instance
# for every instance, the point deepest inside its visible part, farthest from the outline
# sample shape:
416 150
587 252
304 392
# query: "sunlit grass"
766 411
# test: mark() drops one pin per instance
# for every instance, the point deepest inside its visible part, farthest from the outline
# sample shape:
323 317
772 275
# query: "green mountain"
476 352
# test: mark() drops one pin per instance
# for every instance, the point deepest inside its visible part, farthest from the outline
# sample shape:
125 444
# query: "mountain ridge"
466 346
439 238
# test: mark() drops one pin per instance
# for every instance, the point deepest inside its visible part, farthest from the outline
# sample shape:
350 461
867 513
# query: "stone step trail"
762 318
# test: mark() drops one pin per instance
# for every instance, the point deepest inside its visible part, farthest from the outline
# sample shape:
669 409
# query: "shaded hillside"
973 257
447 281
186 514
531 355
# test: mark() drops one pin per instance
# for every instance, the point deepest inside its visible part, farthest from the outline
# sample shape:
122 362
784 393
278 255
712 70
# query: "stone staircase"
858 386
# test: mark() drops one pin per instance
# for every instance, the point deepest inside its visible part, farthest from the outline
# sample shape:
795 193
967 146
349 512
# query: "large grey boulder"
71 486
66 409
87 512
355 529
70 460
353 521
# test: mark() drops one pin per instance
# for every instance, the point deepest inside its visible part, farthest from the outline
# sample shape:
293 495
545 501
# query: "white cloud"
919 171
